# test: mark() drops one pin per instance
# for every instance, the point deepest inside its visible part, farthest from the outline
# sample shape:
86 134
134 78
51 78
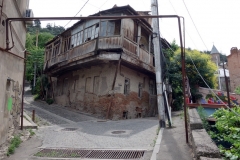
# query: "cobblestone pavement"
91 132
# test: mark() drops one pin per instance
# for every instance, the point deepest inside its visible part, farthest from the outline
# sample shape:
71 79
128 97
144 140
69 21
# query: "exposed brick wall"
97 98
234 68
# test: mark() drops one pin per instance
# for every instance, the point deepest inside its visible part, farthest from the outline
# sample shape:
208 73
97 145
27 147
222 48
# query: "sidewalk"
173 141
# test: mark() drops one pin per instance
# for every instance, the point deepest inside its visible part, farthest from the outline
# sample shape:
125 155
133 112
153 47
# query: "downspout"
1 11
113 85
23 88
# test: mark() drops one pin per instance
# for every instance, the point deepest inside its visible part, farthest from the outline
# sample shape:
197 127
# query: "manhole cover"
91 154
118 132
69 129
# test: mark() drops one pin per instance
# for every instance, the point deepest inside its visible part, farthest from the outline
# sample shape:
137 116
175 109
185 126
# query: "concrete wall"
90 90
11 66
234 68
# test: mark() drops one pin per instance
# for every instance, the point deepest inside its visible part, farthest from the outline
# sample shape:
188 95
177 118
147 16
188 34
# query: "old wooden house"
104 67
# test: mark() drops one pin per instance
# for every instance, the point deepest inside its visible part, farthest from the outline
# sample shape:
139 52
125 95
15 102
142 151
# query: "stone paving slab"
173 145
194 119
203 145
27 122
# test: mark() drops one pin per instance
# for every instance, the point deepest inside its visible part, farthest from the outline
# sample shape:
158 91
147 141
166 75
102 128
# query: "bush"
36 97
50 101
227 132
15 142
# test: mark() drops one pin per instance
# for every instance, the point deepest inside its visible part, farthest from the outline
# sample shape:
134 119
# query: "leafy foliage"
53 30
227 133
203 115
15 142
37 37
237 90
174 73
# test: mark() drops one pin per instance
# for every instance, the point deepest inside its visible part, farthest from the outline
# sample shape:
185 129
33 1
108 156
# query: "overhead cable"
77 12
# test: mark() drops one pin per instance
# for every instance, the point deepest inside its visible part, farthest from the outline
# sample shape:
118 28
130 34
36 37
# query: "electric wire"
204 79
194 24
211 88
186 31
78 12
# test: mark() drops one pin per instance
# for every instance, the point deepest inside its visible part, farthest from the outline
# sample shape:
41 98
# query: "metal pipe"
226 81
12 53
114 17
79 18
23 86
113 85
1 11
33 115
183 75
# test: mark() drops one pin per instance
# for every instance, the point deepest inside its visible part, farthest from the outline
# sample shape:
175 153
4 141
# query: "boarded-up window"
127 86
96 85
152 87
140 86
65 86
88 85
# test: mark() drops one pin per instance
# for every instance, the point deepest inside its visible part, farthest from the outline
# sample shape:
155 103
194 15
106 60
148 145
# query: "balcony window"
144 41
110 28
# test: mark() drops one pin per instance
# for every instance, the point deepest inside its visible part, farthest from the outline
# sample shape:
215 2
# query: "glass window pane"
103 29
110 29
93 32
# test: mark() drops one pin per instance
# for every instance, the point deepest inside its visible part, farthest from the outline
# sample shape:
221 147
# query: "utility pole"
158 69
226 81
35 63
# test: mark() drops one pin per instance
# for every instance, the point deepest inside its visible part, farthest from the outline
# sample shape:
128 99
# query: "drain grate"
91 154
69 129
118 132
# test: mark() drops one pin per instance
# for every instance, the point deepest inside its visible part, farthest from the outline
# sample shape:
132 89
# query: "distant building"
220 72
234 67
105 66
12 67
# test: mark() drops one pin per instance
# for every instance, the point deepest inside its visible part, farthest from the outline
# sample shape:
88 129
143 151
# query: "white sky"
216 20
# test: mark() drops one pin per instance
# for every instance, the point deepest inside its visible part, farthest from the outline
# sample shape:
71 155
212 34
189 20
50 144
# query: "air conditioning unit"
29 14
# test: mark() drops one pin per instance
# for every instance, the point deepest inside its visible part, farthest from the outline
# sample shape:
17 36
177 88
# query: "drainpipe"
23 89
113 85
1 11
226 81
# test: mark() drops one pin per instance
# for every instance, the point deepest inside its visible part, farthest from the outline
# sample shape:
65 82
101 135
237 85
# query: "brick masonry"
234 68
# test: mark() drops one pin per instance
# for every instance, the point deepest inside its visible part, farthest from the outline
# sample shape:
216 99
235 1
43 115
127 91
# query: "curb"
157 145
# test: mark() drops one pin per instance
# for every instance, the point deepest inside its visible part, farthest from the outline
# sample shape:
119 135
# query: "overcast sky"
217 21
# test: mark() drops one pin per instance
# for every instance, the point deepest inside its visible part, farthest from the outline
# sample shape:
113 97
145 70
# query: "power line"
194 24
103 4
210 87
186 31
77 12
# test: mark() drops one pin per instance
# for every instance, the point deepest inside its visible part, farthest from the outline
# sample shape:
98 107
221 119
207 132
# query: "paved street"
68 128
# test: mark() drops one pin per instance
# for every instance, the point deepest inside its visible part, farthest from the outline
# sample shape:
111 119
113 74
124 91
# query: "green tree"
205 66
